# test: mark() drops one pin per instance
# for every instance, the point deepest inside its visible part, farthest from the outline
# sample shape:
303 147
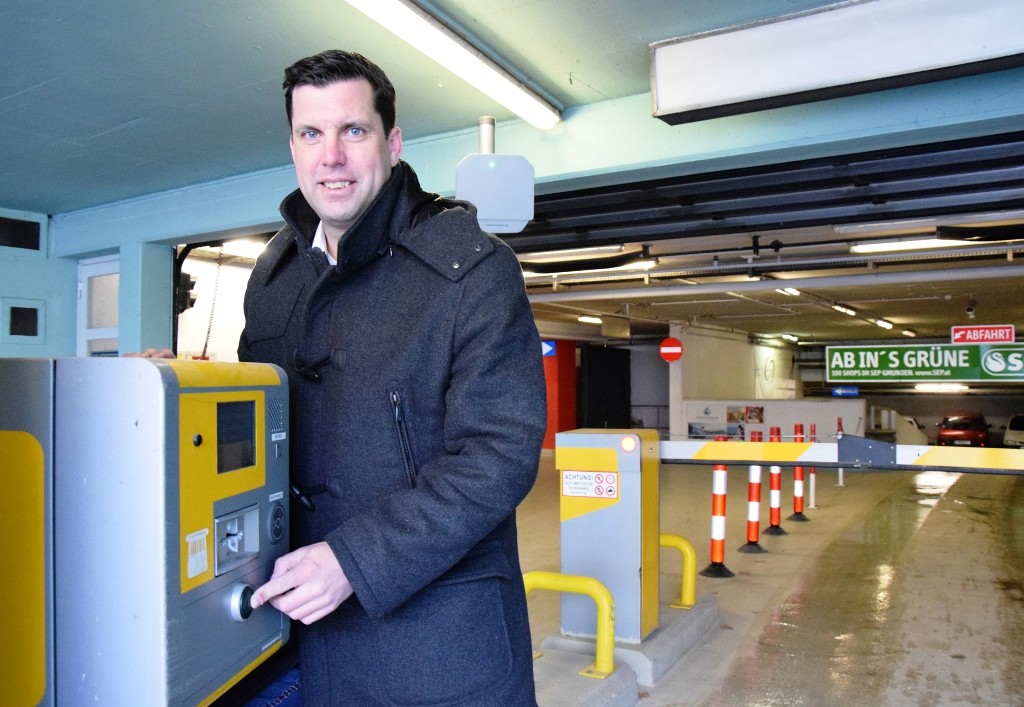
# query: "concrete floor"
903 588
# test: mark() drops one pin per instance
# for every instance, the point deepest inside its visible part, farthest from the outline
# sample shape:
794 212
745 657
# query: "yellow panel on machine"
22 545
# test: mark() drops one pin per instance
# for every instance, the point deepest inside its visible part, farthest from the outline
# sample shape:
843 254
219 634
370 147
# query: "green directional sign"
925 363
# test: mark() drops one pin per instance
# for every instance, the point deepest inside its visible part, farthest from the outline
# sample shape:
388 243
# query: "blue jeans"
283 692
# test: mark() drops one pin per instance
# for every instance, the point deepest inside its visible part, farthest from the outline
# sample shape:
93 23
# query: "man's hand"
151 353
307 584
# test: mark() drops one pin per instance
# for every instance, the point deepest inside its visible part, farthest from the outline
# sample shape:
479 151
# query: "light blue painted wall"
145 306
28 278
609 142
614 141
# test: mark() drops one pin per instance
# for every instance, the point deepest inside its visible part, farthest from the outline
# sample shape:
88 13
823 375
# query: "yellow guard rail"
604 663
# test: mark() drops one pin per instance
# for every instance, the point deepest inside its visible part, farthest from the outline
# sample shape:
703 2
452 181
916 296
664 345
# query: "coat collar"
369 236
394 218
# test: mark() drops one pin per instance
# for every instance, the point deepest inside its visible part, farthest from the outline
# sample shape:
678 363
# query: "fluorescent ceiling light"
909 332
925 225
884 324
791 291
844 309
548 256
790 337
423 31
842 49
588 319
909 244
940 387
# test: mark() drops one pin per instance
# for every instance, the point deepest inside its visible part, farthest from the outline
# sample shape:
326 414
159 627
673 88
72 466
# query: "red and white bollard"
719 483
798 481
754 503
774 491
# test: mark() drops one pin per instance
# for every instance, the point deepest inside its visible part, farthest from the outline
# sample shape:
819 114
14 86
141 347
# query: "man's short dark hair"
335 65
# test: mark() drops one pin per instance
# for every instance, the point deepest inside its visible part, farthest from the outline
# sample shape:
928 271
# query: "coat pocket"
450 644
399 413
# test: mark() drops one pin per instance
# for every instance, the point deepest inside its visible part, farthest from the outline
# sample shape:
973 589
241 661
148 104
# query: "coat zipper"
403 438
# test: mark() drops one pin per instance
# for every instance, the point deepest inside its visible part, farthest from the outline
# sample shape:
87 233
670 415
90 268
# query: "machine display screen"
236 435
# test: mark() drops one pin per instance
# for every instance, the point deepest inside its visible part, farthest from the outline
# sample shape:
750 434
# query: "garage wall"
34 279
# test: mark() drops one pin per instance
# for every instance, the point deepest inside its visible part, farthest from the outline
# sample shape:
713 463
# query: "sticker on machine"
197 558
590 484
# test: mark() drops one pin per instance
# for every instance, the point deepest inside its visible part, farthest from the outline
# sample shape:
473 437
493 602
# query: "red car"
966 429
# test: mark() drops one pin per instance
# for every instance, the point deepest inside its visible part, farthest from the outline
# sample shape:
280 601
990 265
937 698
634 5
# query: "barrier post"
754 503
719 482
798 481
609 526
839 433
814 472
774 491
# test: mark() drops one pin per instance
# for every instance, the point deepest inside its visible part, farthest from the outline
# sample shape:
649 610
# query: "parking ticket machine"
144 500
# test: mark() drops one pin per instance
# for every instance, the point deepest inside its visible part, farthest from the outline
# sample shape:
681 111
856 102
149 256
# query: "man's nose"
333 152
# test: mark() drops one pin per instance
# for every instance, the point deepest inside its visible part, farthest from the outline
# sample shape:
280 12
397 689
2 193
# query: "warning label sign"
590 484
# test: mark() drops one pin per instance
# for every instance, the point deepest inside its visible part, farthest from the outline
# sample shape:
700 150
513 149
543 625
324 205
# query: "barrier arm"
848 451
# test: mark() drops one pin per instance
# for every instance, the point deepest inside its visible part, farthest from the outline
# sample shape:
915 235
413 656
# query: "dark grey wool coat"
417 414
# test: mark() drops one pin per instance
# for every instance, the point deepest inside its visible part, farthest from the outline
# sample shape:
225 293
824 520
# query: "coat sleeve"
461 512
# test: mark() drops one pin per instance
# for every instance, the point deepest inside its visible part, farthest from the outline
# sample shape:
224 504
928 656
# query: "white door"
98 285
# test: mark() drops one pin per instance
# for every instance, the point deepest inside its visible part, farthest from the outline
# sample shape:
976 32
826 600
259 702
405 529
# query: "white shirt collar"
320 241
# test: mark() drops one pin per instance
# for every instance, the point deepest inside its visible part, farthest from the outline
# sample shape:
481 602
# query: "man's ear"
395 145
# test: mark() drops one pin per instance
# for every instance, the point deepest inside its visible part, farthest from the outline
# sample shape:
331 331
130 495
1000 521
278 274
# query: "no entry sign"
671 349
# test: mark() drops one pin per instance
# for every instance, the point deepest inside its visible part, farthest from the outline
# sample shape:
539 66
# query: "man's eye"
355 132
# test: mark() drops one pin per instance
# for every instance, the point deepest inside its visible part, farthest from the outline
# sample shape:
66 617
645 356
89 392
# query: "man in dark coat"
417 413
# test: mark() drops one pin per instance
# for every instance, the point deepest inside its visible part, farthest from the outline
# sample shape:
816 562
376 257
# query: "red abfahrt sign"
987 334
671 349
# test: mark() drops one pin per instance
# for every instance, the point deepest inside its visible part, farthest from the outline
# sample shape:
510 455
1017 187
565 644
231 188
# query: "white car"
1014 435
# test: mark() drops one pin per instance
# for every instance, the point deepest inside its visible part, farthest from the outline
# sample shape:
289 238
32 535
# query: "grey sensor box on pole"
499 186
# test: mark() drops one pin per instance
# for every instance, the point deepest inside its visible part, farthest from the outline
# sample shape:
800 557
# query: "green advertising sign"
925 363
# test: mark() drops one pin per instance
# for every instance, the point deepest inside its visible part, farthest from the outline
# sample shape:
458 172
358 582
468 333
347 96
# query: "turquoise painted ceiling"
107 100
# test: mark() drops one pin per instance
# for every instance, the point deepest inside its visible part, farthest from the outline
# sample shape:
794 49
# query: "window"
15 233
98 287
22 321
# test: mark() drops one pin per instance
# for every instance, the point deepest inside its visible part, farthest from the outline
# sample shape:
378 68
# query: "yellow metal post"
688 594
604 663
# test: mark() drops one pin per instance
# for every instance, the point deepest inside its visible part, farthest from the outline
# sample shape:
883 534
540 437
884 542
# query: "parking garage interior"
130 169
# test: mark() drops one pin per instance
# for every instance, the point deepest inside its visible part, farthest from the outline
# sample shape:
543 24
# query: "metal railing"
604 662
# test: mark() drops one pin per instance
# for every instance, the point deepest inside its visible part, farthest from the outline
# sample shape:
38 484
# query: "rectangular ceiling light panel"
840 50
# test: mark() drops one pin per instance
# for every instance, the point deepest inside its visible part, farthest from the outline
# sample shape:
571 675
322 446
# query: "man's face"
342 156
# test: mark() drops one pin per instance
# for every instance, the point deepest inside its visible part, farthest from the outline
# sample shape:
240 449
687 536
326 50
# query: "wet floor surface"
831 641
903 589
916 603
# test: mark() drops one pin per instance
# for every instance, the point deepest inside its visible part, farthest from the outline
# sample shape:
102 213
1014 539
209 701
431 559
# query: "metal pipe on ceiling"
803 283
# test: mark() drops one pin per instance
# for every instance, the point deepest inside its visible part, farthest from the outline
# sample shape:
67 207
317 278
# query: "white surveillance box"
501 188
